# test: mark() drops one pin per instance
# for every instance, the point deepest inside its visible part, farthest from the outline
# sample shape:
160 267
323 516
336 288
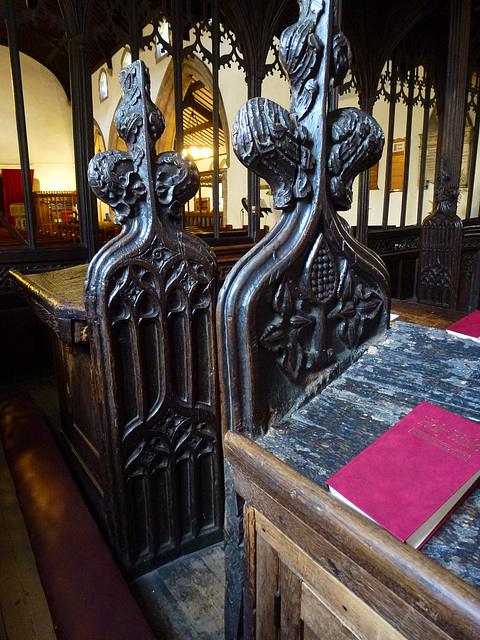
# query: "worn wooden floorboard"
214 559
23 607
184 599
425 315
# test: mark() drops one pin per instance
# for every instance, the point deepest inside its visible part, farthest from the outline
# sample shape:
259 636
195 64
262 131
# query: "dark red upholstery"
86 592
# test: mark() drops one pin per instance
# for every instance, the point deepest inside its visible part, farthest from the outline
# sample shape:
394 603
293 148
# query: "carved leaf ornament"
284 335
150 301
340 289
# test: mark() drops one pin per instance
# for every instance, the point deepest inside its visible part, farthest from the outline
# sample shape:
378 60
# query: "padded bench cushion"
86 592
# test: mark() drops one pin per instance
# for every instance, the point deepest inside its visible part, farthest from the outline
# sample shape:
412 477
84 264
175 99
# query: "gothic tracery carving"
150 301
305 298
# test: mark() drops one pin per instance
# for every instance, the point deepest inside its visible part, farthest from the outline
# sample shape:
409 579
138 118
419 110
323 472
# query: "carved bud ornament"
309 293
150 301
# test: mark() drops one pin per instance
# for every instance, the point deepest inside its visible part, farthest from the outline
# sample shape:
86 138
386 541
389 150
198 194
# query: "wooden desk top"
57 298
411 364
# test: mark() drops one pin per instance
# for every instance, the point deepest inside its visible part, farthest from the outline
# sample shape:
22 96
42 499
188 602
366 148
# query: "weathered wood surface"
57 297
304 302
410 364
409 591
183 600
137 362
308 294
150 298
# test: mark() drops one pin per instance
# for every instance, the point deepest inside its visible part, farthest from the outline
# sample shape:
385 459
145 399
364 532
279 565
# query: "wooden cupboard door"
290 607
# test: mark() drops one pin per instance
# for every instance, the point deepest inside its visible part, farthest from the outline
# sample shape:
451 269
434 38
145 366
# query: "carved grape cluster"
323 277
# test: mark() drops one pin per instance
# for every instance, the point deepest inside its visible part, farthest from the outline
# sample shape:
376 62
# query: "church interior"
232 237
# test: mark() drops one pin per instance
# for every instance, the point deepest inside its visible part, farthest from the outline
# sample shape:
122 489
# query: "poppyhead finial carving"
138 182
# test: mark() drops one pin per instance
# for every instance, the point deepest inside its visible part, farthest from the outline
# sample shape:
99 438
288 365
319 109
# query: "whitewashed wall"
234 94
49 125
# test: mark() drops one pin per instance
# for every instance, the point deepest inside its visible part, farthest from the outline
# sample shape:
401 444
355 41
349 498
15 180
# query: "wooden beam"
189 101
198 128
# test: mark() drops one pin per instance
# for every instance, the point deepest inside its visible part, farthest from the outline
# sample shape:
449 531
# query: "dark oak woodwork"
361 573
307 295
150 299
137 351
308 381
307 299
440 249
369 581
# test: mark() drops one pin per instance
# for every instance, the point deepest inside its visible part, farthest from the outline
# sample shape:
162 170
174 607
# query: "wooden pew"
311 374
135 353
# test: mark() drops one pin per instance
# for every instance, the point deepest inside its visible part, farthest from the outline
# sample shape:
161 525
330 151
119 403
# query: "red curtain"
12 189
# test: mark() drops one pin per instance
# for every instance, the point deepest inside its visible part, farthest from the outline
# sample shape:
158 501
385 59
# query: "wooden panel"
341 602
290 588
374 177
150 307
371 563
308 634
398 165
249 540
321 622
267 584
79 413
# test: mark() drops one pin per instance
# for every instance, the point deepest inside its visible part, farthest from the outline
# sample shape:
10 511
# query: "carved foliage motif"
331 294
152 293
356 307
300 54
284 335
308 292
357 143
270 143
121 179
114 181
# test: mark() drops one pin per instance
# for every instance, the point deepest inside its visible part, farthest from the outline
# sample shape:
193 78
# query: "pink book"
468 327
411 478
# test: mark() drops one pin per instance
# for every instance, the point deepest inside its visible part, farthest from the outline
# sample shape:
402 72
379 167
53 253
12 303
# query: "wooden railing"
204 221
57 215
399 249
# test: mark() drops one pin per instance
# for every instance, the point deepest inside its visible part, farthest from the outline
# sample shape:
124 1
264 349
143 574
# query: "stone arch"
114 140
98 138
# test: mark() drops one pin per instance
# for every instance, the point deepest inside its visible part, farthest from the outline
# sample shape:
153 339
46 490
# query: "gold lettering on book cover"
439 443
